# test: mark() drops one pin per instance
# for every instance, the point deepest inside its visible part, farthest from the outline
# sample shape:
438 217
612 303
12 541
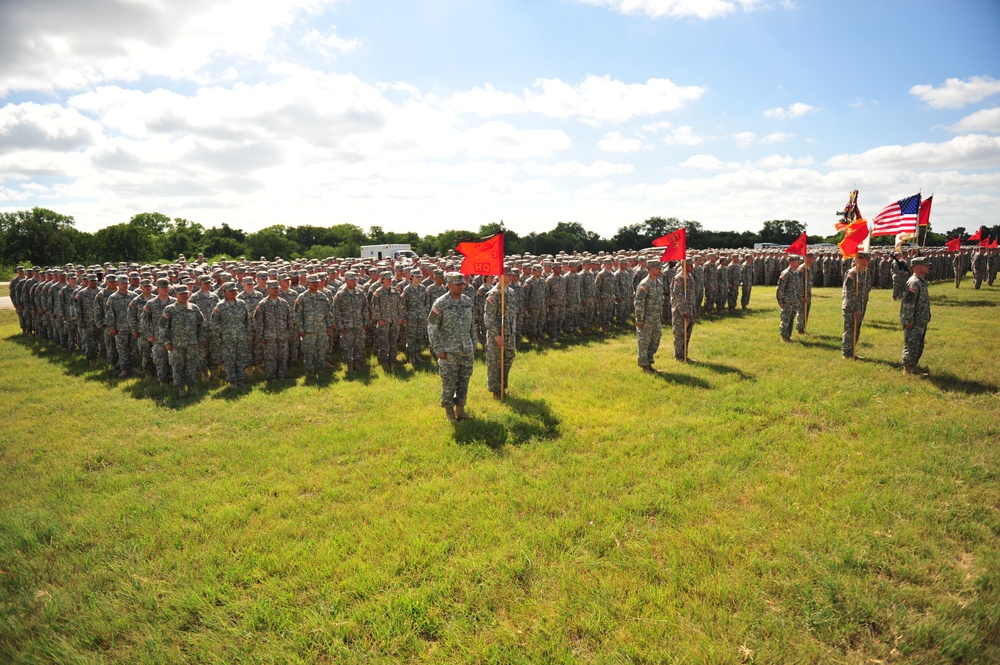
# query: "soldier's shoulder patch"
644 288
165 315
436 310
913 288
491 300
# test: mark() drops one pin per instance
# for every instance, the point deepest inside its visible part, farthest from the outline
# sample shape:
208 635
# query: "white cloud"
744 139
796 110
615 142
974 151
601 98
598 169
703 9
772 162
499 139
486 102
74 43
330 45
683 135
956 93
777 137
707 163
985 120
44 127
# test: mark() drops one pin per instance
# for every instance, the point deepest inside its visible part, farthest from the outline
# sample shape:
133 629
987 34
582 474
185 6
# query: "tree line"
44 237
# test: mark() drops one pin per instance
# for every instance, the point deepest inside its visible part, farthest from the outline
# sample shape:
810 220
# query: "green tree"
224 241
270 242
36 236
124 242
781 231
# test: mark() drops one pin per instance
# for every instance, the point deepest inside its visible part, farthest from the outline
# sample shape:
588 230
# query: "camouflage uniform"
14 289
209 349
623 296
451 330
555 304
492 319
789 295
854 298
682 302
143 347
746 283
350 316
255 353
415 313
588 299
152 311
534 304
915 310
272 320
231 325
88 322
574 295
116 319
649 314
182 326
711 283
314 317
386 312
806 275
606 287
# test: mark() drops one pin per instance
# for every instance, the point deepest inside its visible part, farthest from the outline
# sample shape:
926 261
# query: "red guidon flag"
798 247
855 235
482 258
977 235
953 244
675 243
924 217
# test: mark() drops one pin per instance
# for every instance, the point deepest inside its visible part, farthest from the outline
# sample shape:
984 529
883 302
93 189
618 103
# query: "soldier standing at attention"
271 319
790 296
205 299
414 312
500 334
854 302
807 273
387 315
116 321
350 318
915 314
451 330
685 310
231 323
746 281
648 314
182 327
252 297
151 313
315 321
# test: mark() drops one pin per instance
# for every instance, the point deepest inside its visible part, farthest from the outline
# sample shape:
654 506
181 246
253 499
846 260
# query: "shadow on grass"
952 301
682 379
526 420
951 383
883 325
569 342
724 369
820 341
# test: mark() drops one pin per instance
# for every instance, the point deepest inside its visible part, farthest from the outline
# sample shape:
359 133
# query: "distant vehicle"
768 245
381 252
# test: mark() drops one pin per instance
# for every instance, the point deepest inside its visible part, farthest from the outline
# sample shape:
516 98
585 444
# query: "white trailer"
391 251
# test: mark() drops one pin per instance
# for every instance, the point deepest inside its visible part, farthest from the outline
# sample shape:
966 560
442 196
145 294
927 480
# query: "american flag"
898 217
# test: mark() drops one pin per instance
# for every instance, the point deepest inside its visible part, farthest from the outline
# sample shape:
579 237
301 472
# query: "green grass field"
770 504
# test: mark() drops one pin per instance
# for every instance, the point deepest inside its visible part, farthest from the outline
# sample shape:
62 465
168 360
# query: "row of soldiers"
114 313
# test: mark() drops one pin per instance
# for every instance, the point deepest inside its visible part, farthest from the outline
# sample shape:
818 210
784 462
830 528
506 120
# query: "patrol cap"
180 288
920 261
272 284
439 273
415 272
350 274
797 258
312 278
229 286
864 255
654 263
145 282
385 274
204 279
455 278
248 280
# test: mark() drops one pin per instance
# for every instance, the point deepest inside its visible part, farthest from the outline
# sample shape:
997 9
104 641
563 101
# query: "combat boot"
909 369
460 413
450 412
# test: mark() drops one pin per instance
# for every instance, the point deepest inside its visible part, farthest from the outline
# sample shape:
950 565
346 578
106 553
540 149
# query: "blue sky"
436 115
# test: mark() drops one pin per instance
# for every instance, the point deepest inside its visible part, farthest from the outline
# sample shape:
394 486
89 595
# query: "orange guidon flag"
856 233
482 258
675 243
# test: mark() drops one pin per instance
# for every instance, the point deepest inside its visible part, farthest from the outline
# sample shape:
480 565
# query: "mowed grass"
770 504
